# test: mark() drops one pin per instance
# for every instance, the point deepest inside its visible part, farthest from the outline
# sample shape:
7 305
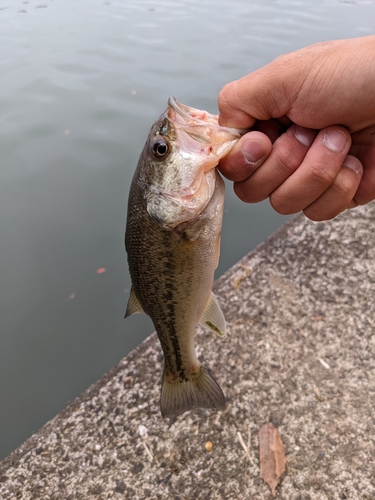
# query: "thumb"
264 94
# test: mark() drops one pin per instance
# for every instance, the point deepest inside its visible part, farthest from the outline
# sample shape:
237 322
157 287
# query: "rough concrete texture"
300 351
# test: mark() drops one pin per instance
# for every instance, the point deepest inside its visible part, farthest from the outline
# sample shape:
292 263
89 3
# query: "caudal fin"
180 396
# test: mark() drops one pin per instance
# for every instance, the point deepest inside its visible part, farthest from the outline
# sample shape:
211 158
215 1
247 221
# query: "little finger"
339 196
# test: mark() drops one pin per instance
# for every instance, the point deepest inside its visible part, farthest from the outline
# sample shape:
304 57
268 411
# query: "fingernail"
353 163
253 152
335 140
305 135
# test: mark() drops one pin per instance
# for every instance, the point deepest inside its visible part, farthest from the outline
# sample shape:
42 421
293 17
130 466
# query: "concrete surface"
300 352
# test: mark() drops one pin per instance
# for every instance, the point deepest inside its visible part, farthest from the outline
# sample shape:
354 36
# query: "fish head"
177 169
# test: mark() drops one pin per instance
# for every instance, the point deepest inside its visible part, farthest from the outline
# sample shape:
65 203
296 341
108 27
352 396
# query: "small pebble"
142 431
208 446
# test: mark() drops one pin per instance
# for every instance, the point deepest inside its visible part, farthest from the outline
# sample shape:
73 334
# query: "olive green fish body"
172 256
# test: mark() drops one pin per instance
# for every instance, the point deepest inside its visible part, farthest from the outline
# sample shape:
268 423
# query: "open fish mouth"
200 125
199 133
192 115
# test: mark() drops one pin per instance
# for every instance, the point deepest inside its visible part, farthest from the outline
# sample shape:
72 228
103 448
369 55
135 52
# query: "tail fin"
182 395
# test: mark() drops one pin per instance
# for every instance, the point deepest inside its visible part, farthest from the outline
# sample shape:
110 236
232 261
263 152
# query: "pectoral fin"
213 317
134 306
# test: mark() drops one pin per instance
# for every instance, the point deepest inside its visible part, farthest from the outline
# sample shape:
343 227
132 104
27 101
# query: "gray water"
81 82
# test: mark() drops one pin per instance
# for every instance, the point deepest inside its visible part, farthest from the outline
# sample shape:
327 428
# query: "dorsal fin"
134 306
213 317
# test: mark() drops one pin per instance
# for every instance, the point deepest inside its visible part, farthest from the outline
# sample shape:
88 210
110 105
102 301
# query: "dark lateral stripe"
172 350
170 344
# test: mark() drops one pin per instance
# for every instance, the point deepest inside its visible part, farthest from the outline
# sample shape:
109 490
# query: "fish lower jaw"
170 208
170 220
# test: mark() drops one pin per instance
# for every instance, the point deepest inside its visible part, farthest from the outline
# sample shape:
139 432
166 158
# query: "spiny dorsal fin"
134 306
213 317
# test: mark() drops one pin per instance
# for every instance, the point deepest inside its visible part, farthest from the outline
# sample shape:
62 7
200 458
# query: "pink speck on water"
101 270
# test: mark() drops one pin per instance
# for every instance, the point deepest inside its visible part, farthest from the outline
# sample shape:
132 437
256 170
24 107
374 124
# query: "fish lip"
188 113
191 116
174 104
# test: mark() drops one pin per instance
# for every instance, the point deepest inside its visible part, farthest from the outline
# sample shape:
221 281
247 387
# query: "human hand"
296 102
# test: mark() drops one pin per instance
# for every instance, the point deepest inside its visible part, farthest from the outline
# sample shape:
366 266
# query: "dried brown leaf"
272 456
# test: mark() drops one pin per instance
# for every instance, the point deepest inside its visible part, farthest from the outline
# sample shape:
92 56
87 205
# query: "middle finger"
287 154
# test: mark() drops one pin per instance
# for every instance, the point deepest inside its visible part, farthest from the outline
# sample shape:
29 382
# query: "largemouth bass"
172 240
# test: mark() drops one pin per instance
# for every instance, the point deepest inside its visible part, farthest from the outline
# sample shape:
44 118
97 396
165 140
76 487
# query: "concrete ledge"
300 351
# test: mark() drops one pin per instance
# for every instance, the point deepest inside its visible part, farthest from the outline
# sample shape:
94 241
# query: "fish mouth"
203 127
199 130
192 115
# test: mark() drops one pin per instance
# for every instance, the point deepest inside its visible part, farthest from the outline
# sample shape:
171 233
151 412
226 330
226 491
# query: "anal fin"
134 306
213 317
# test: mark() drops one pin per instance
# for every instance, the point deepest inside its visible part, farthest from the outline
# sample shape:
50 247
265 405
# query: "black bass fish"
172 240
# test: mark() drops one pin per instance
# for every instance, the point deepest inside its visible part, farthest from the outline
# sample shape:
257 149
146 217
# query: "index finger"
230 105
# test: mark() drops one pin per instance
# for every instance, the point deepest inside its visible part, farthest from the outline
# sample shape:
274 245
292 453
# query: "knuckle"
318 211
344 187
346 183
280 204
323 173
287 161
315 214
245 193
225 98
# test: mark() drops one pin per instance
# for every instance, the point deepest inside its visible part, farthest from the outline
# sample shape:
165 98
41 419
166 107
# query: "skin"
312 141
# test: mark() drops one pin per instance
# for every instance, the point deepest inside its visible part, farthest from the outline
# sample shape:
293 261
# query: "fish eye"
160 148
